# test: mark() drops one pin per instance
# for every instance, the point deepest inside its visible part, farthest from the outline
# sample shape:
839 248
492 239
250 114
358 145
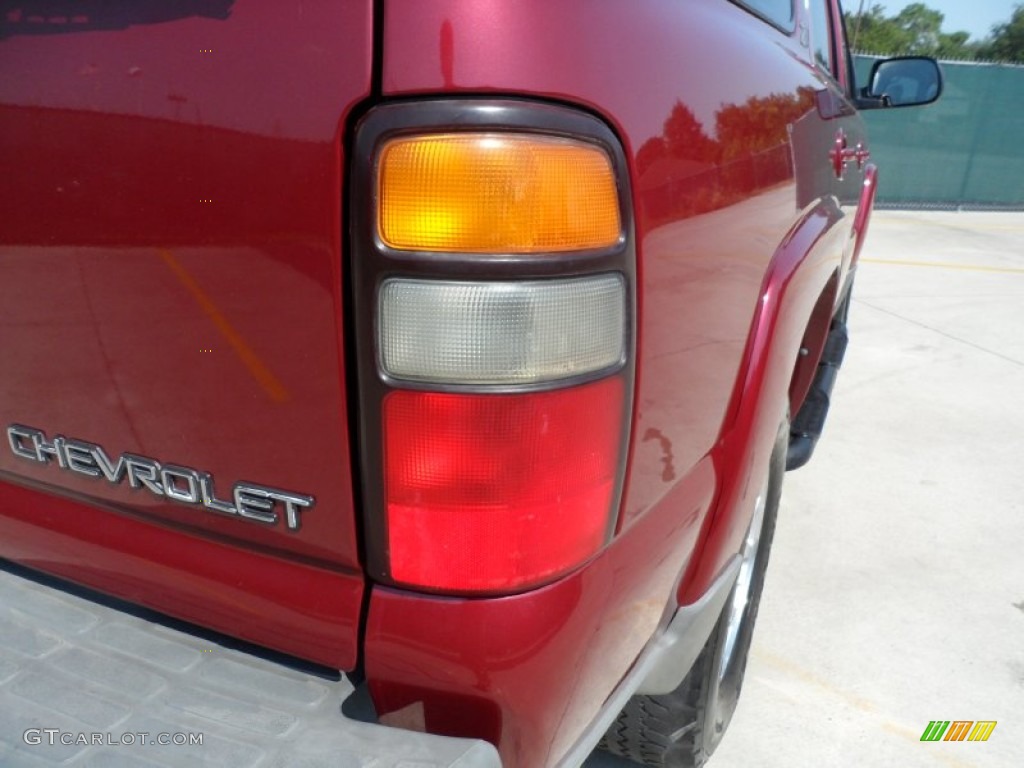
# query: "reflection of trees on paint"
684 134
761 123
685 171
683 139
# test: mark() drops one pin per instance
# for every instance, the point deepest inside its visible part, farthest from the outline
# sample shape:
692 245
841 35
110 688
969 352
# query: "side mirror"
904 81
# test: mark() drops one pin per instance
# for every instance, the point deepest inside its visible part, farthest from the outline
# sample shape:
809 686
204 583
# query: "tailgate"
83 684
172 385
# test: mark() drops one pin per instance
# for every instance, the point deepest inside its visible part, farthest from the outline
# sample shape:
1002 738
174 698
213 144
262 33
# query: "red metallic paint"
179 190
171 259
530 671
867 204
298 608
741 226
793 286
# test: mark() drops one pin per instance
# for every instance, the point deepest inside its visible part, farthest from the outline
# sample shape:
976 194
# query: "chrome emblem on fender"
257 503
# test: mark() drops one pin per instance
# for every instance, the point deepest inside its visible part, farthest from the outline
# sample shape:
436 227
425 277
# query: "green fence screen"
965 151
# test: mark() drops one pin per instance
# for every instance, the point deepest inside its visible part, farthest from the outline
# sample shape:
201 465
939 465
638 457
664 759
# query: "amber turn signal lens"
496 193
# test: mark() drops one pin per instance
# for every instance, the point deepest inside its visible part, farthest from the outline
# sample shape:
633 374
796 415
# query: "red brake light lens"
497 492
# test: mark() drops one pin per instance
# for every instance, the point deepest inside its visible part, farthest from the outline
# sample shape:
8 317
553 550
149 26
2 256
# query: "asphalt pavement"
895 590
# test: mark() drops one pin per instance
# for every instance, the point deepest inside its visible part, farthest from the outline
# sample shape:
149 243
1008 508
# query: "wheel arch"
813 343
800 288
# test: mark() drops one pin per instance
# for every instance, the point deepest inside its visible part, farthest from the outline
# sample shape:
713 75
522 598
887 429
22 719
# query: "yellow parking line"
274 389
945 265
869 708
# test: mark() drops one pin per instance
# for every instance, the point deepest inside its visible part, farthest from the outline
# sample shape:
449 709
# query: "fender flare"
865 208
796 278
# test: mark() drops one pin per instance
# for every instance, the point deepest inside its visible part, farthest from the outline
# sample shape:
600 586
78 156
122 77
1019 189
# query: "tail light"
491 192
493 290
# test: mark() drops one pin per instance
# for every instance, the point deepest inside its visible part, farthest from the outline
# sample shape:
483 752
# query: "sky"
974 16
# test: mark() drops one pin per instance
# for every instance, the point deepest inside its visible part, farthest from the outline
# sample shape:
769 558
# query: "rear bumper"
305 609
83 683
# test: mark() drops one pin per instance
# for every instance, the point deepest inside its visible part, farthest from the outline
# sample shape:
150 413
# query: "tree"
917 29
956 46
921 26
1006 43
873 32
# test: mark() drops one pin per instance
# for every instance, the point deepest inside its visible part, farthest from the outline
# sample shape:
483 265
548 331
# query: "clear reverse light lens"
501 332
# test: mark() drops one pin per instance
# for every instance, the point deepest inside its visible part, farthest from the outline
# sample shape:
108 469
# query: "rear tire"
681 729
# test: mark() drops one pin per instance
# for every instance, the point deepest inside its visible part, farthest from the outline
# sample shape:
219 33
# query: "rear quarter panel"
739 227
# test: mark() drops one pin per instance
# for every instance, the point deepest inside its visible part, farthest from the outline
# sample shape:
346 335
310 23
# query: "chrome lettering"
112 472
258 502
185 485
293 503
15 435
169 473
45 450
143 472
210 501
255 503
79 458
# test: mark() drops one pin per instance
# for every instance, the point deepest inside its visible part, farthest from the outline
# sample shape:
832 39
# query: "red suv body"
203 414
